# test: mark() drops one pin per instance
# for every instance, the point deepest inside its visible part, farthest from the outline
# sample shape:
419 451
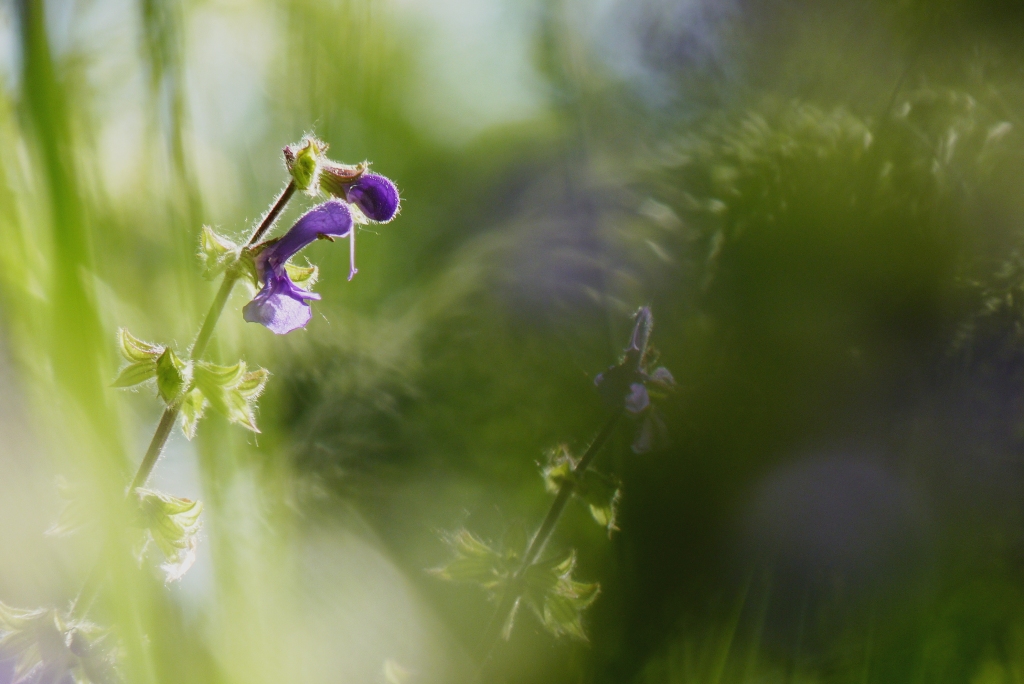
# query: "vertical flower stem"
540 539
87 594
156 445
213 315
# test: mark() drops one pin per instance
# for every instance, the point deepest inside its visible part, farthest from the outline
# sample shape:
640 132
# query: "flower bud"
172 375
335 178
303 162
376 196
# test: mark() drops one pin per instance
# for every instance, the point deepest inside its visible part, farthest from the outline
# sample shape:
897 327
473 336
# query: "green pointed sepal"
148 361
601 493
217 253
547 587
231 391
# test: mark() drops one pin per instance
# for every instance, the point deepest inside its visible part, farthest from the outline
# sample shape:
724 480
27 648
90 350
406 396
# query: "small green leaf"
303 162
563 615
232 390
303 276
602 494
134 349
559 468
172 374
541 578
135 373
192 408
473 569
239 410
605 515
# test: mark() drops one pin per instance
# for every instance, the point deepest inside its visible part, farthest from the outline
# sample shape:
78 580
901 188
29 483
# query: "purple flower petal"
637 399
332 218
376 197
280 306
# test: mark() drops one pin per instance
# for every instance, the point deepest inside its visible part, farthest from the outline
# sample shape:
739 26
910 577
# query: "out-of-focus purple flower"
637 399
282 306
624 386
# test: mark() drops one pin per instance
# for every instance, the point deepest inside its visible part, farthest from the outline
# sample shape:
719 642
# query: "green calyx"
216 252
303 160
601 493
172 525
547 587
231 391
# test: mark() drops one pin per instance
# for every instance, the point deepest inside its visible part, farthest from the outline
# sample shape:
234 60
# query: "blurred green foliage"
820 201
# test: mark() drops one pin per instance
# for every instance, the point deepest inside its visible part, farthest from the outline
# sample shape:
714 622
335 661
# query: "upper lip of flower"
330 219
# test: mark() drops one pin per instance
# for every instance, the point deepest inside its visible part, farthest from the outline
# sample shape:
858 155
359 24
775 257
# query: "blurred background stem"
512 594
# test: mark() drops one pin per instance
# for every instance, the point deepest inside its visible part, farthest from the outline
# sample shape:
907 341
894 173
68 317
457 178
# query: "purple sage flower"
282 306
624 385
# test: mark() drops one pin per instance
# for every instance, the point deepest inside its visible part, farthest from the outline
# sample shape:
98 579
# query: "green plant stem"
156 445
87 594
540 539
166 424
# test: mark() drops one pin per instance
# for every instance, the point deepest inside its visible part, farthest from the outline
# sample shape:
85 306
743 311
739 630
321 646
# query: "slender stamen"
352 270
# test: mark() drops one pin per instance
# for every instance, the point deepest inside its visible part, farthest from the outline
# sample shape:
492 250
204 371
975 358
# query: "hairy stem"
156 445
166 424
540 539
213 315
271 216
